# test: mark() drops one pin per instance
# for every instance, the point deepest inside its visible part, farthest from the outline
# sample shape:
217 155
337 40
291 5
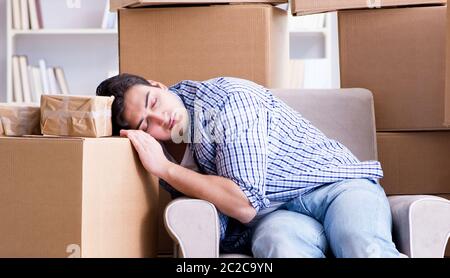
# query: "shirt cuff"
257 200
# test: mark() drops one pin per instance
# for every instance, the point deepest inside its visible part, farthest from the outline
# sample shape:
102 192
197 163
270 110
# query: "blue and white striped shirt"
241 131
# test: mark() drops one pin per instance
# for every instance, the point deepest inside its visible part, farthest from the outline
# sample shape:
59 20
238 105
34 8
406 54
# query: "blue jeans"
347 219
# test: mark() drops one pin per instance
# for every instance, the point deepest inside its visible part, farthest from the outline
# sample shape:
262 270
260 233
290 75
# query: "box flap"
303 7
119 4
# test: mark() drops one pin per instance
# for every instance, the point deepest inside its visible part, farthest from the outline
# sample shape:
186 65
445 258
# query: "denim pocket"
298 205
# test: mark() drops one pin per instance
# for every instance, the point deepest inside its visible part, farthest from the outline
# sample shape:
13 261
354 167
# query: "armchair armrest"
194 226
421 225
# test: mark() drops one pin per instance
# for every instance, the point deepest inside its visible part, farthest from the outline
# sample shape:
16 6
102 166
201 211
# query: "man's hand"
150 151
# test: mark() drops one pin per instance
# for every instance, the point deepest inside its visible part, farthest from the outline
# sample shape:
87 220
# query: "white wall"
2 50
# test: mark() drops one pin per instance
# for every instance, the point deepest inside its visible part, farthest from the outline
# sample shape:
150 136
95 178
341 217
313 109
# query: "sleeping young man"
282 188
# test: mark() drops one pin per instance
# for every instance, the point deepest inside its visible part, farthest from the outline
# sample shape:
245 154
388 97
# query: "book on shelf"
26 14
16 21
34 19
54 90
17 82
44 76
30 82
37 82
109 20
23 64
61 80
32 85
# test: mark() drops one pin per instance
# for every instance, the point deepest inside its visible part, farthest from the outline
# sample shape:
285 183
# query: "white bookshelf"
314 50
86 52
93 31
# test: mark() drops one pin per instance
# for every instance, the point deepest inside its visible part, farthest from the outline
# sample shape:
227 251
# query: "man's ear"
157 84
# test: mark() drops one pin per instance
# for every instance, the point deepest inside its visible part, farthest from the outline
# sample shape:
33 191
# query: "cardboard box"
79 116
398 54
75 197
415 162
165 242
203 42
18 120
447 73
302 7
118 4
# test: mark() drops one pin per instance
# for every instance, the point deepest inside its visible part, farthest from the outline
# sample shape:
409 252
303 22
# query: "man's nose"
159 118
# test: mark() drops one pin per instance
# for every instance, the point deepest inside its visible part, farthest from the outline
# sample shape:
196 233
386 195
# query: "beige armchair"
421 224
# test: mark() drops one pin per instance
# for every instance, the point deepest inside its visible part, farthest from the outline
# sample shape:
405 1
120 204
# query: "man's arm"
222 192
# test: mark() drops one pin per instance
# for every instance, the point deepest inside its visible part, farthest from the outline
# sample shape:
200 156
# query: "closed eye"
154 101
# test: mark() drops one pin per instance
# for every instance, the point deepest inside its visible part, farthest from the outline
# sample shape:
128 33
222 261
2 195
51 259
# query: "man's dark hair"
117 86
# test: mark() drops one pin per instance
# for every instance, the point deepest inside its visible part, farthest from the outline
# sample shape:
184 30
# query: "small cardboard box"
79 116
18 120
399 55
170 44
302 7
75 197
415 162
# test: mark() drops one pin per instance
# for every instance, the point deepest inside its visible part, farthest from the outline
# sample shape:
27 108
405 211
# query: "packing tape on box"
67 114
64 113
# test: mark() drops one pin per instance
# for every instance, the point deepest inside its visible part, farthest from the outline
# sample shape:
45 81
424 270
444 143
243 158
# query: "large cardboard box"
171 44
447 73
302 7
415 162
398 54
75 197
165 242
117 4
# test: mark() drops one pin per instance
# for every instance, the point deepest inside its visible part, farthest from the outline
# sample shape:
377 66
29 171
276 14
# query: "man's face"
156 111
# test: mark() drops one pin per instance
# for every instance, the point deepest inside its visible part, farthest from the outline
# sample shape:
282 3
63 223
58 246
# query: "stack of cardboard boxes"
69 196
174 40
399 54
397 50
